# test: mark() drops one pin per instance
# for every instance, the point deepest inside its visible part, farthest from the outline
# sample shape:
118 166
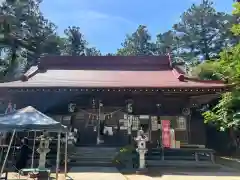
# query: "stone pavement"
85 173
95 173
105 173
220 174
185 177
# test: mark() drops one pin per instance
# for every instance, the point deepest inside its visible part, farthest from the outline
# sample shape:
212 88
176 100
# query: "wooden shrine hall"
115 96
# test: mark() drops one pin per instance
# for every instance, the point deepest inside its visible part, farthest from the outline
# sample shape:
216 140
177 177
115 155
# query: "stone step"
91 163
85 157
104 149
102 156
92 155
93 152
78 158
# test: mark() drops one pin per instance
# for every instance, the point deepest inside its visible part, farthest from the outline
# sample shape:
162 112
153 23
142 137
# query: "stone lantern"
141 140
43 149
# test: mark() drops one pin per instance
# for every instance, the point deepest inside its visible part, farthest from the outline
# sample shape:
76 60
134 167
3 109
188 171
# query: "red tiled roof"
149 72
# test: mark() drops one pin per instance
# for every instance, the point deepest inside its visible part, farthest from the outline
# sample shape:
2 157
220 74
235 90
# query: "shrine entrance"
104 126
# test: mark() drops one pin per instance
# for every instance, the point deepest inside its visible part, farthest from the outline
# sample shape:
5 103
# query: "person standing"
22 158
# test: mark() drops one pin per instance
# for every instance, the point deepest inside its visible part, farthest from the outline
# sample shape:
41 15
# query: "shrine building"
125 93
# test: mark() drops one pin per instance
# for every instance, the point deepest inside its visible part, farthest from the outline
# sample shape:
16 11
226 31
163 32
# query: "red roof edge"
178 75
169 59
182 77
30 73
175 71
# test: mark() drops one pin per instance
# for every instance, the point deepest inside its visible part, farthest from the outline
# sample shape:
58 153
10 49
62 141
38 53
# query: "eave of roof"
109 72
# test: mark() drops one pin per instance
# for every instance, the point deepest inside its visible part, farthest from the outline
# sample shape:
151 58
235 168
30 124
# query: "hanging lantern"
129 106
14 107
71 107
186 111
93 103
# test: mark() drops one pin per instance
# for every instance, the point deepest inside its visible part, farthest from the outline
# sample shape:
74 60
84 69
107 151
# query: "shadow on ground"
185 172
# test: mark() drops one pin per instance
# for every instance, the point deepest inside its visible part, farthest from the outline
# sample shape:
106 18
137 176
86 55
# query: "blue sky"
105 23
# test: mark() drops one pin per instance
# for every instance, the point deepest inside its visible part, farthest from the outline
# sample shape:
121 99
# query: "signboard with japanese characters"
154 123
129 121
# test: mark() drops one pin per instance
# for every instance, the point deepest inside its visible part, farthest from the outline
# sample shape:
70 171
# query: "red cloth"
166 136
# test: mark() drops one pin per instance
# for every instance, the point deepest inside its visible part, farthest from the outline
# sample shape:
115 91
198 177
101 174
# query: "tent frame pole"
8 150
58 155
33 150
66 154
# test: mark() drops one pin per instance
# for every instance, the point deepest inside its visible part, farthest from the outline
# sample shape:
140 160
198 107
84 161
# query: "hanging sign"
129 108
71 107
166 135
186 111
154 123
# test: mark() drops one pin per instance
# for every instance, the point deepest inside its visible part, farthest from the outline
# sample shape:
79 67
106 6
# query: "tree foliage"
228 68
137 44
27 35
205 31
75 43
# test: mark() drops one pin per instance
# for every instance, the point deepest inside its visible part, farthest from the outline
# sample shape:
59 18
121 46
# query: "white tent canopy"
29 119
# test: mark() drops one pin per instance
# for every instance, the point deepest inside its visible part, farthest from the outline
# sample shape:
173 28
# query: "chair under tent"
30 120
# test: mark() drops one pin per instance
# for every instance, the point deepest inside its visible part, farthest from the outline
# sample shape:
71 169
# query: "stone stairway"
92 156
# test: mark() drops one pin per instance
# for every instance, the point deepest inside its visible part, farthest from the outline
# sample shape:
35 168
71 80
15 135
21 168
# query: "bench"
34 171
196 151
195 154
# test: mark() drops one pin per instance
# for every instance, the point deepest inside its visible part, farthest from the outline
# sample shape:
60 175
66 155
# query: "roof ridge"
105 62
30 73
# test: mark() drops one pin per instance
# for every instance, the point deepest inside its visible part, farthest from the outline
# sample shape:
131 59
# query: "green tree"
228 69
27 35
110 54
204 29
75 43
92 52
166 42
137 44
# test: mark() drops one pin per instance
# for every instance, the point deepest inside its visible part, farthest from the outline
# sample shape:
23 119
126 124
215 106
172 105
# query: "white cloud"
90 15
